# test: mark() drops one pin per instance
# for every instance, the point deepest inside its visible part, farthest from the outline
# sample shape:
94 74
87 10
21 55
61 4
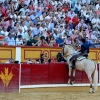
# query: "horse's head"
68 49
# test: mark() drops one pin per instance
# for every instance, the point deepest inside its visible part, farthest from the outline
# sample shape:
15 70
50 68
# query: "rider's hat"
83 40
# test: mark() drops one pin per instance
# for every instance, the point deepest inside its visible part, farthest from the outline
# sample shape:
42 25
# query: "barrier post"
19 76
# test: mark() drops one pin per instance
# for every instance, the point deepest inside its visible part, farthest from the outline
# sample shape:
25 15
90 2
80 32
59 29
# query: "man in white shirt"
4 31
96 21
37 31
24 10
28 35
10 40
19 41
71 14
23 27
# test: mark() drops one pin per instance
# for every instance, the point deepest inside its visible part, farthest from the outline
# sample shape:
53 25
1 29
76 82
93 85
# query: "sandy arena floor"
50 96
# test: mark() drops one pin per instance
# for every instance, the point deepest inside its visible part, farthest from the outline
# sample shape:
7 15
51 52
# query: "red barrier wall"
9 77
55 73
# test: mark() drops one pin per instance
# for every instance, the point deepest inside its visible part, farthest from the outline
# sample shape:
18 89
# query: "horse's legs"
73 78
90 79
69 75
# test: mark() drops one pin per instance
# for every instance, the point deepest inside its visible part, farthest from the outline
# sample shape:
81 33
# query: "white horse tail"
95 78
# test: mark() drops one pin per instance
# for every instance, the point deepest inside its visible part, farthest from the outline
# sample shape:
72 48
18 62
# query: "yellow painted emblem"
6 77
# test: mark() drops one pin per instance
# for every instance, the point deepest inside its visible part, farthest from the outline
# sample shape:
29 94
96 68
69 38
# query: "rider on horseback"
83 52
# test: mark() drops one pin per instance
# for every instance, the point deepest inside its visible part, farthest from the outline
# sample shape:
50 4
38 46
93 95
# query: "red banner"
9 77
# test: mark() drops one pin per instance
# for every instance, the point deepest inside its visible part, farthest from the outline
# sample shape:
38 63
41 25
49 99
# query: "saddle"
81 58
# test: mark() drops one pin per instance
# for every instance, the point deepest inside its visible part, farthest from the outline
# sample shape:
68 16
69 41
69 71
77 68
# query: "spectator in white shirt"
37 31
4 31
10 40
19 41
71 14
21 33
23 27
96 22
28 35
77 6
97 6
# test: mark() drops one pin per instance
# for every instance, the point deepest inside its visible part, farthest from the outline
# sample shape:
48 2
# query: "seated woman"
68 40
76 42
42 59
41 42
60 58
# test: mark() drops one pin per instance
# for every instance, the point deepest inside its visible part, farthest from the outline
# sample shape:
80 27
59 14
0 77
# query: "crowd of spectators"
49 22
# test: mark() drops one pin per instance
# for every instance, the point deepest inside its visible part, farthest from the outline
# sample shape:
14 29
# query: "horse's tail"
95 78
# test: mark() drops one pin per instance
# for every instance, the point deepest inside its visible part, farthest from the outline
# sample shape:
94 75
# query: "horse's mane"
71 47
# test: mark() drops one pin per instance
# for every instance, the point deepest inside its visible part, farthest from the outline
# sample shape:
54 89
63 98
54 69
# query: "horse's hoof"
68 83
72 82
93 91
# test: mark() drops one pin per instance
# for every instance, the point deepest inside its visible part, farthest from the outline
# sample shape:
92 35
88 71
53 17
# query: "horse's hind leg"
90 79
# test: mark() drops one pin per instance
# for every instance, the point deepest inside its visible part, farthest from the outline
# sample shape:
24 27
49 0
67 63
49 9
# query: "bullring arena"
42 81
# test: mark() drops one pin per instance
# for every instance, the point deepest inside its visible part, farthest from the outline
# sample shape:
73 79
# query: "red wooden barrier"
9 77
54 73
44 73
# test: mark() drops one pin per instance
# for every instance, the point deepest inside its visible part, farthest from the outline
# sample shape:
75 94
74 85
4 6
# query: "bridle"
68 45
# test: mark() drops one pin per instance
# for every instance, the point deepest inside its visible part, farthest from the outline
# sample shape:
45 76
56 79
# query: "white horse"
82 64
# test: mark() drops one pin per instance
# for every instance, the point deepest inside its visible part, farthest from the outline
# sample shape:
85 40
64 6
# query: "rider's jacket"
84 48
